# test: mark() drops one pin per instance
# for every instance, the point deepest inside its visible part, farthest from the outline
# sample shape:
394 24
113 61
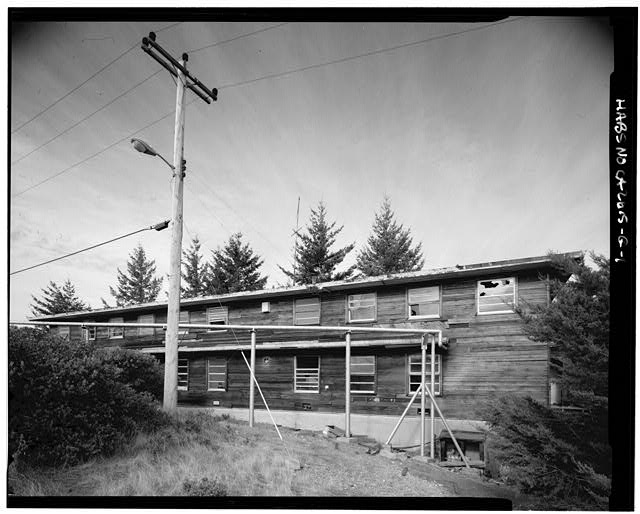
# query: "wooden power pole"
184 81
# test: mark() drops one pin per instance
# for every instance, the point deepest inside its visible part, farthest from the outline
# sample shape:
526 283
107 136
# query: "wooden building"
302 375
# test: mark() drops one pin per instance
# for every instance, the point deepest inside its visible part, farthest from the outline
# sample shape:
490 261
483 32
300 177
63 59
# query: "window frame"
295 375
438 374
375 376
425 316
224 322
67 329
112 330
184 331
295 310
375 308
515 296
188 366
87 335
224 362
141 330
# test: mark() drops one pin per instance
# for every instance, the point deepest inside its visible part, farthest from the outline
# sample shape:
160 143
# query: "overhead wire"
291 72
157 226
88 79
68 129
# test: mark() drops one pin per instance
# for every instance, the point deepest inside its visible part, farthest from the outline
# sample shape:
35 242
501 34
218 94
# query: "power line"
85 118
366 54
128 90
281 74
158 226
87 80
82 161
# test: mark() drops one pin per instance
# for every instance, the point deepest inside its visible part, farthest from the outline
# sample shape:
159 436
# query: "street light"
143 147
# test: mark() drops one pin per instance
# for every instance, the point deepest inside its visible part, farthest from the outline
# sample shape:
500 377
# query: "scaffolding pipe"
347 386
433 385
233 327
423 354
252 386
395 429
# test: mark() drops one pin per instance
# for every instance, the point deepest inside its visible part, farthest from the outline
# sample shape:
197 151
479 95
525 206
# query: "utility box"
471 443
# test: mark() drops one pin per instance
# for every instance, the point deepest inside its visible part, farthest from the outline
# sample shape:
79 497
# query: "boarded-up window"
363 374
218 316
307 311
146 331
116 332
216 374
307 374
184 318
183 374
361 307
424 302
496 296
64 331
415 367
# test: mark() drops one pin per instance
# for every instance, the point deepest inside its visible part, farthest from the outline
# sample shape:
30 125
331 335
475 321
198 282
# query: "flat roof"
468 270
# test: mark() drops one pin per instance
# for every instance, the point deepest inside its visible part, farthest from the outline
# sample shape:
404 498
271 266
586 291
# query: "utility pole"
184 81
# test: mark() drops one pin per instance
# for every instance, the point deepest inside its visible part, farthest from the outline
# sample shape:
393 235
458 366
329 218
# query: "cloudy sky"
489 138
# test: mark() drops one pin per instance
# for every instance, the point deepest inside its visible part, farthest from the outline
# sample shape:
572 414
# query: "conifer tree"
139 285
234 268
389 247
194 272
57 300
314 260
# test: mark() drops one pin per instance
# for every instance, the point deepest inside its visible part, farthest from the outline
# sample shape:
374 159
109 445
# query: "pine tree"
57 300
139 285
389 247
234 268
194 272
314 260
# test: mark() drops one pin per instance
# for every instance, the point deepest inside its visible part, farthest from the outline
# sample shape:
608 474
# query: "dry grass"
201 455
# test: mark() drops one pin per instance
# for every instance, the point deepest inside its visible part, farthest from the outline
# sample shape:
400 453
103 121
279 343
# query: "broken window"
307 374
216 374
90 332
363 374
496 296
64 331
415 373
217 316
183 318
361 307
183 374
306 311
424 302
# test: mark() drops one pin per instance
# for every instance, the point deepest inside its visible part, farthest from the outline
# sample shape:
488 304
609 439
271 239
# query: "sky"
490 139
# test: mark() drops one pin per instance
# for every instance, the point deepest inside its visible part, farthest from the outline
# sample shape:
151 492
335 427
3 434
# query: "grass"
201 455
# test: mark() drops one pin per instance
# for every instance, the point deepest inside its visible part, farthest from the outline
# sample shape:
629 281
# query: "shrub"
204 487
540 452
69 402
142 372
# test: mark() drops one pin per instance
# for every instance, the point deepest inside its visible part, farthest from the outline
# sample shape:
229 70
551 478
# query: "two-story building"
302 373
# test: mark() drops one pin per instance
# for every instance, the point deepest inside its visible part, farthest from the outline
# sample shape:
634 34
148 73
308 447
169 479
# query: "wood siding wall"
487 354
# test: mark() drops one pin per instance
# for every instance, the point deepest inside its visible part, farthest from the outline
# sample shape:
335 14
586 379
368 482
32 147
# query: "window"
183 374
116 332
306 311
361 307
217 316
90 332
146 331
216 374
415 367
496 296
307 374
363 374
424 302
184 318
64 331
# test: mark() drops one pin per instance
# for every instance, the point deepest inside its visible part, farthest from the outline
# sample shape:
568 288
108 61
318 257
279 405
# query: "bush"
69 401
540 452
143 372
